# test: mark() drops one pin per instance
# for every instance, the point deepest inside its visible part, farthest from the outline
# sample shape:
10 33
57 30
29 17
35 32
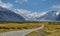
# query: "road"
21 32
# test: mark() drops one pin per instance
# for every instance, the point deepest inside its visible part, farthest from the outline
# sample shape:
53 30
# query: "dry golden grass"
50 28
4 27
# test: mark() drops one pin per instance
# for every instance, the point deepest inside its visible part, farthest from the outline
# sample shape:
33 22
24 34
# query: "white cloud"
56 6
5 5
21 1
29 14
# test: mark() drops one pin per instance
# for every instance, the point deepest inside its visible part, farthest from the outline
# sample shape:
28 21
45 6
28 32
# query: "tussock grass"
50 28
17 26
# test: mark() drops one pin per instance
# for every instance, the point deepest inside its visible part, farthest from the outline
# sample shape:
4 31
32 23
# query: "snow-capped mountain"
50 16
8 15
43 16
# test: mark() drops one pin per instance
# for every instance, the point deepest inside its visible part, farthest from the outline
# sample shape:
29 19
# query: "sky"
31 7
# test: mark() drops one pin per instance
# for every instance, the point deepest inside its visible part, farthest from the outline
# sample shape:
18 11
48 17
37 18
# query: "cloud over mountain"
5 5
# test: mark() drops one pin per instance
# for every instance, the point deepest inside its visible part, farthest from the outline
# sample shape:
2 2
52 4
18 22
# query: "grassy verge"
4 27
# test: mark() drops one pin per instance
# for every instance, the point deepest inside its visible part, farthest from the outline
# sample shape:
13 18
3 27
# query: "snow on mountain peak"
29 14
57 13
39 16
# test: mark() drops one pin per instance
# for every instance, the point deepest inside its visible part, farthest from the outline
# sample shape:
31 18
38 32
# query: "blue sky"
34 5
31 8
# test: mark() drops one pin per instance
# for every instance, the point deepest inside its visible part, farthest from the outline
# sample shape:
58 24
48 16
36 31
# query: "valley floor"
50 28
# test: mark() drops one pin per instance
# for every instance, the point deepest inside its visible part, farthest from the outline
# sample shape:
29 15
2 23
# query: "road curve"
21 32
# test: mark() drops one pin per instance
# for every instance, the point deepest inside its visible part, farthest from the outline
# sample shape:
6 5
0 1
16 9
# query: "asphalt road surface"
21 32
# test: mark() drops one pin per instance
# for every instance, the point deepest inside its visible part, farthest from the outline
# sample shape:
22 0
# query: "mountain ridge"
8 15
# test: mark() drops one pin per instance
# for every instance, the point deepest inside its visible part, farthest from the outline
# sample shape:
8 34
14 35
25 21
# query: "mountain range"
9 15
